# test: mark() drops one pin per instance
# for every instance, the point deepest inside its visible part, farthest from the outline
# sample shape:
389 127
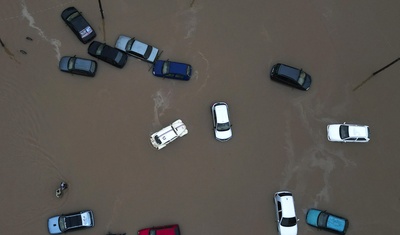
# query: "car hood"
333 132
153 55
223 135
63 65
288 230
121 42
157 68
53 226
312 217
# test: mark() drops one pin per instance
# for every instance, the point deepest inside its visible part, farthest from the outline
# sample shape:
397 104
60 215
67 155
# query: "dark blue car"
327 221
170 69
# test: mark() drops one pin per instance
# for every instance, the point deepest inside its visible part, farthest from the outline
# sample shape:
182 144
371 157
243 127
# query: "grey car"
136 48
77 65
69 222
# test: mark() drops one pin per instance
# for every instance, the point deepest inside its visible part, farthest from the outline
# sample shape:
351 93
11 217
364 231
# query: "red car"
161 230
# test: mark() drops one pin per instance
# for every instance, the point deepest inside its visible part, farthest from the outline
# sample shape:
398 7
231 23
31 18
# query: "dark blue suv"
170 69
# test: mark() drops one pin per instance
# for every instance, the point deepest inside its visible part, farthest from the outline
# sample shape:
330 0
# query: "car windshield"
118 57
289 222
99 49
128 46
152 232
157 139
223 126
344 131
73 16
322 218
148 52
71 63
61 222
165 67
302 77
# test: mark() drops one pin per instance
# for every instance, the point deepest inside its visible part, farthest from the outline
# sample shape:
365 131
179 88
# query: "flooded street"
93 133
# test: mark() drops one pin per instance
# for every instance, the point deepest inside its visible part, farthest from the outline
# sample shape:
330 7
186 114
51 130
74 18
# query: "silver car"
136 48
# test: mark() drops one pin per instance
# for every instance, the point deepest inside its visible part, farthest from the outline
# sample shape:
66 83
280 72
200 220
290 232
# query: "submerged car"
221 122
161 230
170 69
285 213
136 48
291 76
73 221
327 221
348 133
161 138
108 54
77 65
78 24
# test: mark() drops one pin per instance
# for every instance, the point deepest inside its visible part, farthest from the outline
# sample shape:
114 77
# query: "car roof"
288 206
288 71
166 134
83 64
358 131
177 68
221 111
139 47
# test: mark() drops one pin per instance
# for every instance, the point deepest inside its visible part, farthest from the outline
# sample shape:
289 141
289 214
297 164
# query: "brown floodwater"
93 133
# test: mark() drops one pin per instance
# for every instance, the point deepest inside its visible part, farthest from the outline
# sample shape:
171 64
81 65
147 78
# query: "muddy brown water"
93 133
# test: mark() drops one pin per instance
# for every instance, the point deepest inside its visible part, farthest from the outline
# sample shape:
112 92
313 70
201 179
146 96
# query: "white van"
168 134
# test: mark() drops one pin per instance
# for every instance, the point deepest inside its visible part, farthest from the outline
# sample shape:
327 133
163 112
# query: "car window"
73 16
71 63
302 77
279 206
351 139
165 68
361 139
289 222
279 215
179 76
322 219
152 232
344 131
223 126
128 46
99 49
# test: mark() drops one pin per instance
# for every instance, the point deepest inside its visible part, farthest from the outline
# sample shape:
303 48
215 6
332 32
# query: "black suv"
291 76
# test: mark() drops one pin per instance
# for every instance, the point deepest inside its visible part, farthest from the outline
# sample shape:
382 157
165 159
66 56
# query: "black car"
108 54
78 65
291 76
81 28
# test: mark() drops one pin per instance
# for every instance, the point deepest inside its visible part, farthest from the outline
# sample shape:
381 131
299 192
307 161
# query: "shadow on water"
9 52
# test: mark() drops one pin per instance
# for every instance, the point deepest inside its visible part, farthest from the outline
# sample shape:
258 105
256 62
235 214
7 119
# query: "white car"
221 122
137 48
168 134
285 213
73 221
348 133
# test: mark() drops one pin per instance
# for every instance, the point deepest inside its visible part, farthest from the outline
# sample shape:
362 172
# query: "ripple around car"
161 138
136 48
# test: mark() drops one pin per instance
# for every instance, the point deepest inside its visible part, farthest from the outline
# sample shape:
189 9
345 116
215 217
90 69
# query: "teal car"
327 221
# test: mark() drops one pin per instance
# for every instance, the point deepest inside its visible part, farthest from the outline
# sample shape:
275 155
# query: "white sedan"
221 122
348 133
285 213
